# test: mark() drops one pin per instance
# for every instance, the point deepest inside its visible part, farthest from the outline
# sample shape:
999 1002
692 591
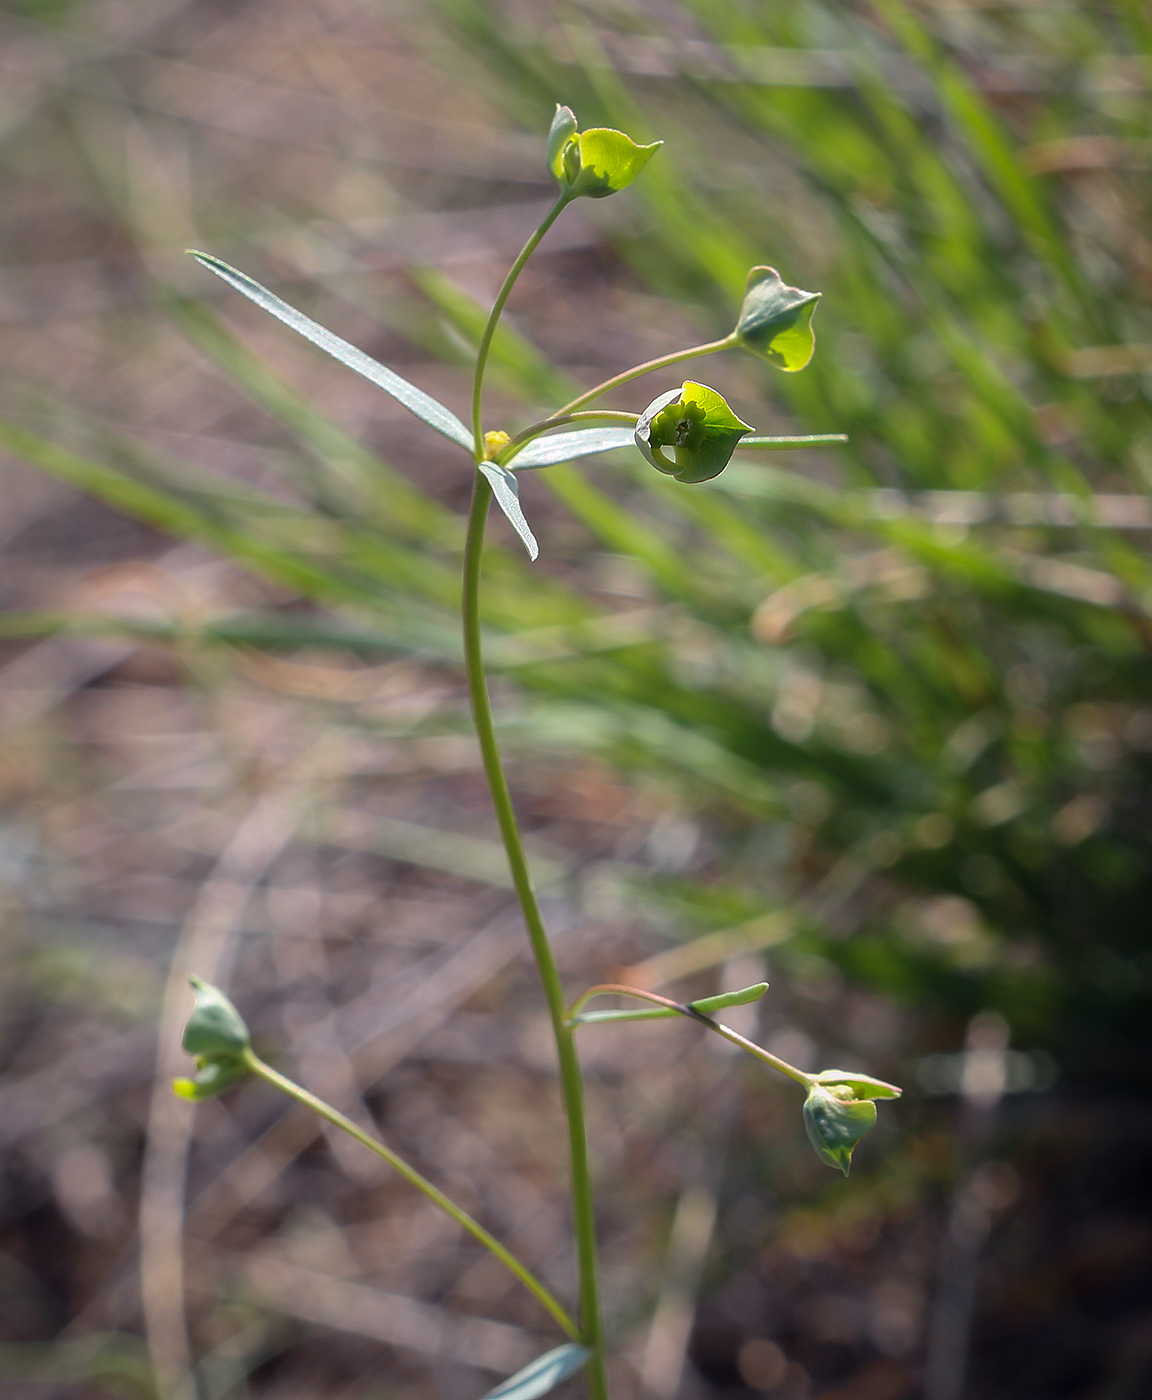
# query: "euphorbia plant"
689 433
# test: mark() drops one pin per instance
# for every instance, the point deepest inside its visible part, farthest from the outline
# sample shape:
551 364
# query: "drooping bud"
835 1121
775 322
596 162
217 1036
696 423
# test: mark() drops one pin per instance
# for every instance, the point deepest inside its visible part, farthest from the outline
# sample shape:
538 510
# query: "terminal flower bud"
776 320
217 1036
697 425
596 162
835 1120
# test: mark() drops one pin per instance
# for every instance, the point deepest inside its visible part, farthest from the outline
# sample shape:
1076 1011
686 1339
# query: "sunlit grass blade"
424 406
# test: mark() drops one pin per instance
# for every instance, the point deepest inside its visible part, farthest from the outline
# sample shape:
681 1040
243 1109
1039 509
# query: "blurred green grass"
969 700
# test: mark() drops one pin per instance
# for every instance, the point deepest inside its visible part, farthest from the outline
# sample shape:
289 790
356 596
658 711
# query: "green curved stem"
494 316
434 1194
619 989
661 362
571 1083
535 430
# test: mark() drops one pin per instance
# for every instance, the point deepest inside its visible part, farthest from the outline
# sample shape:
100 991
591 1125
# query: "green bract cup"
217 1036
697 425
776 320
596 162
835 1121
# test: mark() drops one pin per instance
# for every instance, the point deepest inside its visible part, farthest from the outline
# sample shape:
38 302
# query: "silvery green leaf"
506 489
565 447
543 1374
424 406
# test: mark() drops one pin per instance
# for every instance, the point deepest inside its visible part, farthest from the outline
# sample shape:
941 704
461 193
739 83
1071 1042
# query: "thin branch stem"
494 317
572 1086
685 1009
661 362
410 1174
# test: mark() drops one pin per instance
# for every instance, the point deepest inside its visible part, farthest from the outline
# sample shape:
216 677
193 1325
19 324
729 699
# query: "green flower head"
597 162
699 427
217 1036
776 320
835 1121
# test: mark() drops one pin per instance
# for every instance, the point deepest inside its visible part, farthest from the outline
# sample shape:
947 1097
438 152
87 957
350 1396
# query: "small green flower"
217 1036
776 320
699 427
596 162
835 1121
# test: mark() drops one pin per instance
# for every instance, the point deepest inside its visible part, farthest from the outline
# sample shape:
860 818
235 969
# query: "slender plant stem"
474 1228
571 1082
711 347
494 317
685 1009
534 430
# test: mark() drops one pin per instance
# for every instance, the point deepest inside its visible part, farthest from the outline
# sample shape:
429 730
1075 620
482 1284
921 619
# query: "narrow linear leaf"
506 489
723 1000
782 444
543 1374
565 447
424 406
650 1013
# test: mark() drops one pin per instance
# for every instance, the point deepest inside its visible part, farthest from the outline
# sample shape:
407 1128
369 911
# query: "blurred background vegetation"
874 723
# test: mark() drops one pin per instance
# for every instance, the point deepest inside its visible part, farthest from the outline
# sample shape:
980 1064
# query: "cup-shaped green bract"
775 321
215 1027
835 1121
863 1086
699 428
597 162
217 1036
